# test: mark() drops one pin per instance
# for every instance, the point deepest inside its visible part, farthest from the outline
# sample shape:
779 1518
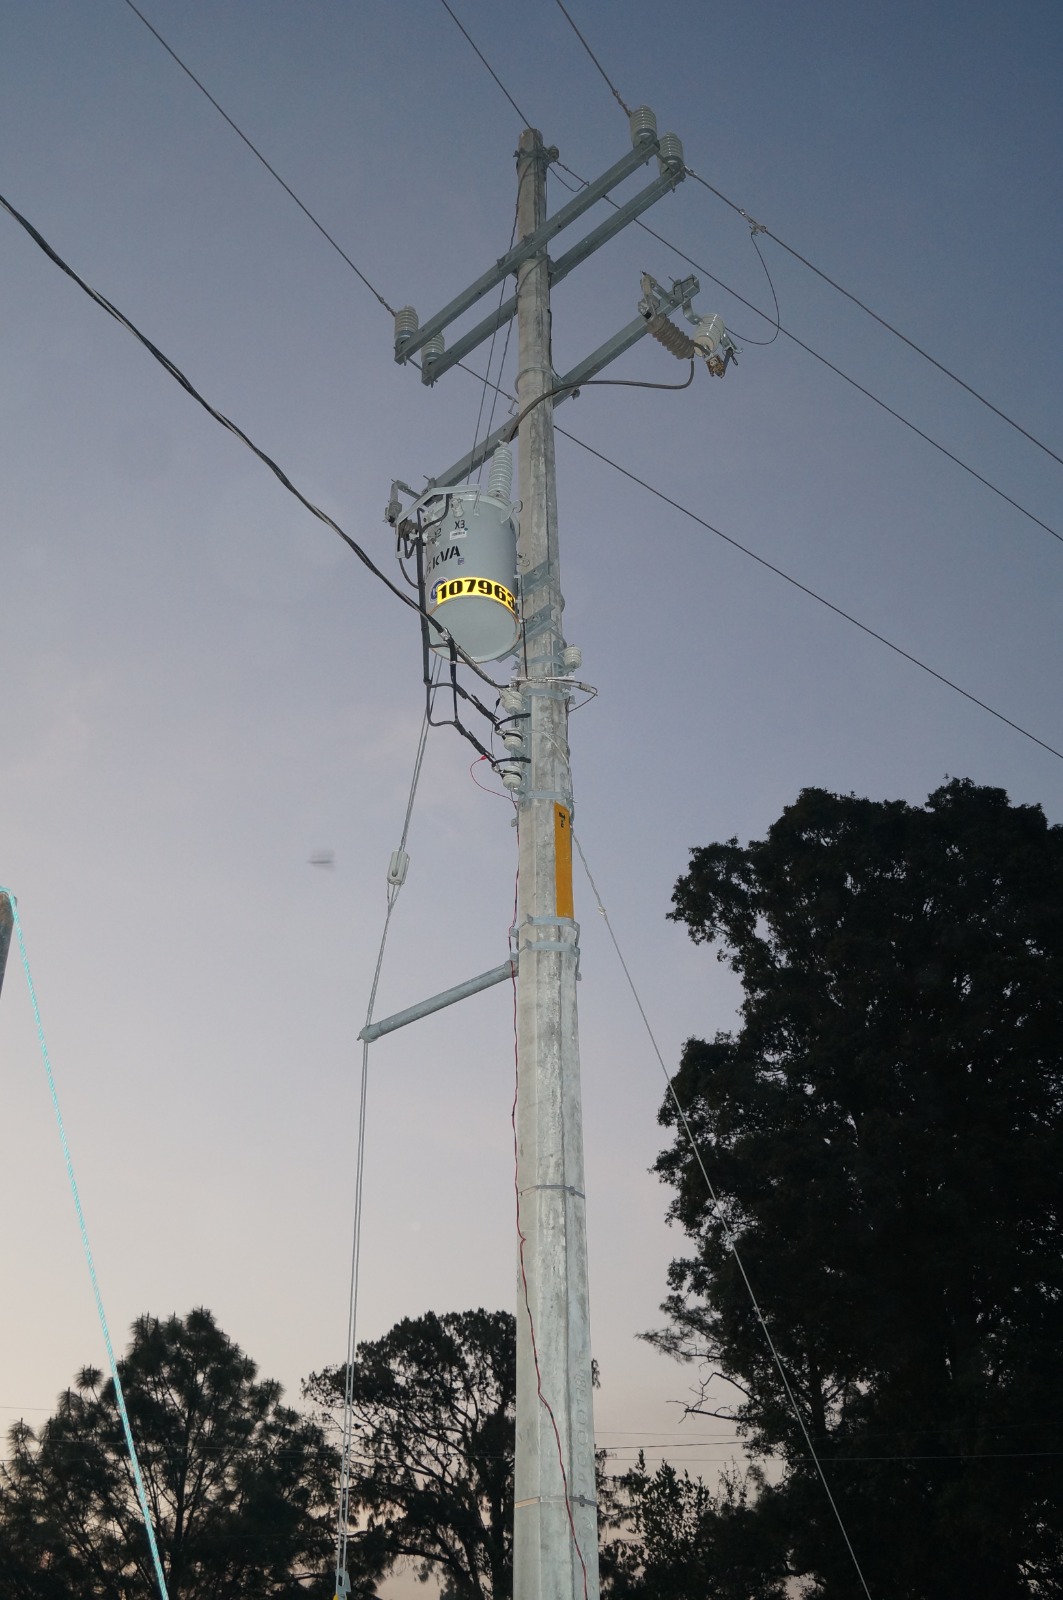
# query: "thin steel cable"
486 63
879 319
260 157
613 90
812 593
347 1444
119 1393
238 433
728 1237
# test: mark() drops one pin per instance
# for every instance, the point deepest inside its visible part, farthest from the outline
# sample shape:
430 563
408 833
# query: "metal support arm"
529 247
424 1008
680 292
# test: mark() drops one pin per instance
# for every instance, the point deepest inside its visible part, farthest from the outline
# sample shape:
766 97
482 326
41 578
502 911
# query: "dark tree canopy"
432 1474
885 1130
242 1488
677 1540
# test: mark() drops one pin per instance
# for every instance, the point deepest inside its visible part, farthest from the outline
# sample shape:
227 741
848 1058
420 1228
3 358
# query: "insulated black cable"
874 314
762 560
797 584
227 423
258 154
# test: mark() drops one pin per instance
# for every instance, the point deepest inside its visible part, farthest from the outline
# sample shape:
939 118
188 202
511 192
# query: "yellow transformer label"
483 588
563 860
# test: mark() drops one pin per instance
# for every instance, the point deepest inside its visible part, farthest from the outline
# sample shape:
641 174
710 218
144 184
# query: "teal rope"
116 1380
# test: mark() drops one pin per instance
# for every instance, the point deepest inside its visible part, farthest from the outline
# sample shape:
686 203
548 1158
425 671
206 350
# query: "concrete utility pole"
555 1551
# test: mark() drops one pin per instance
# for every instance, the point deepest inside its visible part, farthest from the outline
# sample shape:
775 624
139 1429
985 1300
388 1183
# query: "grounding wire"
727 1234
347 1444
760 227
812 593
238 433
614 91
119 1393
258 154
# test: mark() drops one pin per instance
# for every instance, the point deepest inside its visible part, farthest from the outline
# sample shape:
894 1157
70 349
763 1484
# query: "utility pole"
555 1547
555 1544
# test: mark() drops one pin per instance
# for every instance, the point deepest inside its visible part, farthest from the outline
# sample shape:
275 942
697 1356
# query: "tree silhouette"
885 1131
240 1486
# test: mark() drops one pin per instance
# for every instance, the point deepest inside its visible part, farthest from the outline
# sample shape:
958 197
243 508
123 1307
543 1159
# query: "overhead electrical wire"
650 488
912 345
714 1198
847 616
756 227
259 156
238 433
614 91
760 227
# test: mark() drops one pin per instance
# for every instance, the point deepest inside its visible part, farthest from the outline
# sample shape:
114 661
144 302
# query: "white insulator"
512 700
397 866
433 348
678 343
500 480
512 778
572 658
643 125
670 154
406 322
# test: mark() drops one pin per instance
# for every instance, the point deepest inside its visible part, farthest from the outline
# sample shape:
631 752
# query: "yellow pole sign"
563 860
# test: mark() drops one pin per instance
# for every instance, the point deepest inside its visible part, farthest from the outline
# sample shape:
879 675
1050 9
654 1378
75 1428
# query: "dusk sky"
202 687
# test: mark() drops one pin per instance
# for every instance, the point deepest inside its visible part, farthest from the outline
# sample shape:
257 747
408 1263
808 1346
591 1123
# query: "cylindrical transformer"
470 566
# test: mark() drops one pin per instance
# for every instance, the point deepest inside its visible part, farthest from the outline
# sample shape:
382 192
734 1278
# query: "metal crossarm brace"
680 293
431 370
529 247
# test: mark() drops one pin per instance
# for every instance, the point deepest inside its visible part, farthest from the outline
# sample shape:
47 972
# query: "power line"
804 588
487 64
238 433
861 389
780 573
760 227
259 156
757 227
614 91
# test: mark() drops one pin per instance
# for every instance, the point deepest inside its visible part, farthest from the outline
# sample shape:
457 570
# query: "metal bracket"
681 291
424 1008
527 248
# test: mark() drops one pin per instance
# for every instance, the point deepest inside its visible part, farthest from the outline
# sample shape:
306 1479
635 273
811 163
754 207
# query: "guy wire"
343 1514
714 1198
